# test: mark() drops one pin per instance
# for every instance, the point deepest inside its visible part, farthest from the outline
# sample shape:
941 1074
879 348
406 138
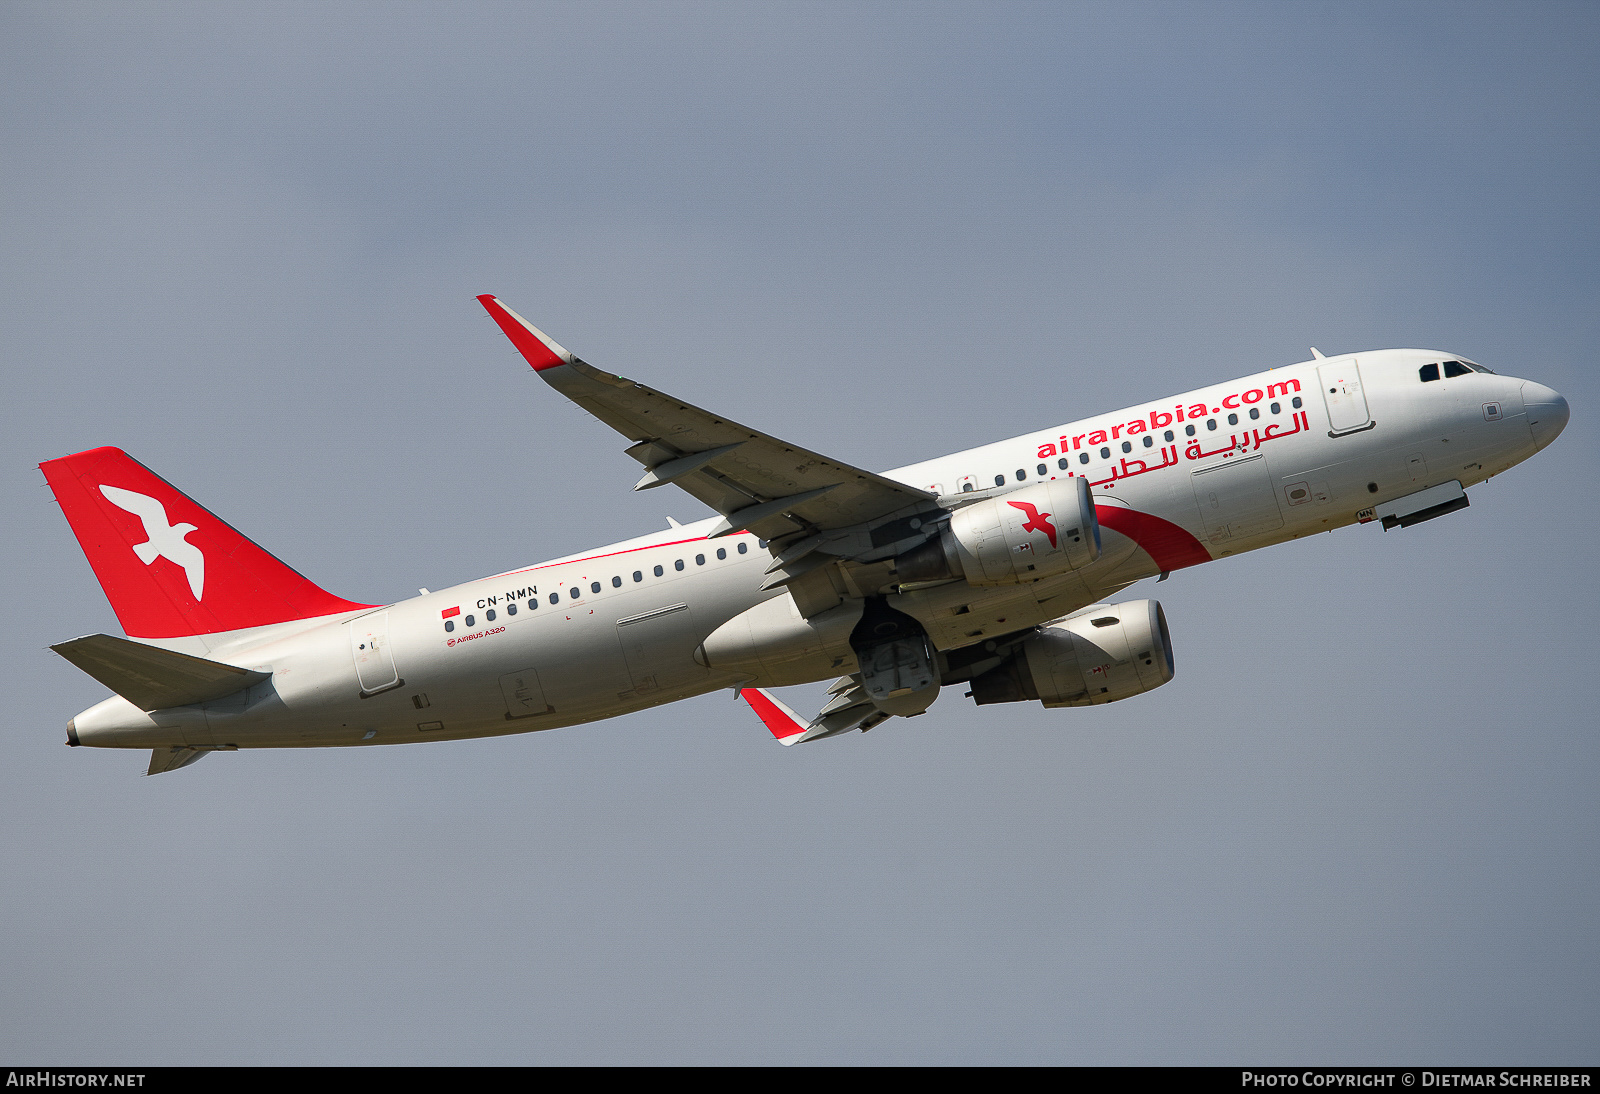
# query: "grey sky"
242 243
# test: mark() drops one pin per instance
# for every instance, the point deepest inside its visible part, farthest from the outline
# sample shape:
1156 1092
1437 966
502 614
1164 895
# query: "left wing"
757 482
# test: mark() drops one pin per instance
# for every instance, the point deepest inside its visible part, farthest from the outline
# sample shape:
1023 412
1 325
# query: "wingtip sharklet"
539 349
783 722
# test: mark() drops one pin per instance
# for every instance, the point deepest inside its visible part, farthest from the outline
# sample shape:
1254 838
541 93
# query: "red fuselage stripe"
1169 546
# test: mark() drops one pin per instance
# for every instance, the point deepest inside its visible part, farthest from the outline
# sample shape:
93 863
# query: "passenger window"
966 488
573 594
1297 404
449 625
1211 423
1127 446
1083 457
594 586
677 564
722 553
468 621
1277 408
533 601
1149 441
1233 419
1044 469
511 609
699 560
1455 368
1167 436
659 571
489 615
1188 431
638 575
1428 372
999 480
1255 412
555 598
1062 463
743 548
616 583
1105 453
1022 474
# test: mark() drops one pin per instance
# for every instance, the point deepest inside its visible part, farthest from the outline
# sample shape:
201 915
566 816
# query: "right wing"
848 709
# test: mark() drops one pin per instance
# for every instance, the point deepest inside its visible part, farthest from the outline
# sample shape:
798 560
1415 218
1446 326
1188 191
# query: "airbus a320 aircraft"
991 568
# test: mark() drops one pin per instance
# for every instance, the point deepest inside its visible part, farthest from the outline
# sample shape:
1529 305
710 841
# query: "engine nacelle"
1037 532
1100 655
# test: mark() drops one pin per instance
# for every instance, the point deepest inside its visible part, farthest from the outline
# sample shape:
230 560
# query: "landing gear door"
1345 399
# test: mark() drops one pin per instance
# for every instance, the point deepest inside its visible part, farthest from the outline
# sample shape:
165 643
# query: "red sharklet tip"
539 351
773 716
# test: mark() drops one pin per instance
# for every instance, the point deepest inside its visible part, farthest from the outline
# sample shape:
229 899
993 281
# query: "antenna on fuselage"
1317 353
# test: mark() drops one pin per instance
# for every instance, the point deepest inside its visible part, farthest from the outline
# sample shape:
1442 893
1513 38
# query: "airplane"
991 569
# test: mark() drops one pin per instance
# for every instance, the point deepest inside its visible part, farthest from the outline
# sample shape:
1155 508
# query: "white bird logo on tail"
166 540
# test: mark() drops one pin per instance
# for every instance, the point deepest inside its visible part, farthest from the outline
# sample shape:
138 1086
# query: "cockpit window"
1456 368
1428 372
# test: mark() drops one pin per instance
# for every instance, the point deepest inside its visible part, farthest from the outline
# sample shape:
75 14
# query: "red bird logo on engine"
1036 520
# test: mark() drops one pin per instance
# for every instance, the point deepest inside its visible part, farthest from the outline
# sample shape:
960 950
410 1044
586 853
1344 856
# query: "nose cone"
1547 412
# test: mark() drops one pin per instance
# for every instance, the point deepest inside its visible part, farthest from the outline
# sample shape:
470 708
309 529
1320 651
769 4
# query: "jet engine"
1102 654
1025 535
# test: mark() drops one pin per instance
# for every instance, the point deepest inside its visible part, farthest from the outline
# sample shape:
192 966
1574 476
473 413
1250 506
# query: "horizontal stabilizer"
152 678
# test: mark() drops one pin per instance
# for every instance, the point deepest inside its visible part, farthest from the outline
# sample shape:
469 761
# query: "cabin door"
369 645
1344 397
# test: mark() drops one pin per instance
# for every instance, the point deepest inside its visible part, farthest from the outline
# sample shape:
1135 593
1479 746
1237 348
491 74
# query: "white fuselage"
1213 472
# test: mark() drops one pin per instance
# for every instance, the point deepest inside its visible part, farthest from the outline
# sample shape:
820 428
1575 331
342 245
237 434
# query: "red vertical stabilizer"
168 565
